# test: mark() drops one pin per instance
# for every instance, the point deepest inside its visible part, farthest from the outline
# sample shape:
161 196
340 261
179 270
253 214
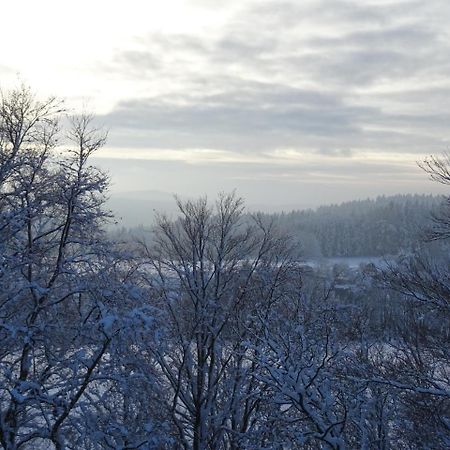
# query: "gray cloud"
331 78
345 43
252 117
258 119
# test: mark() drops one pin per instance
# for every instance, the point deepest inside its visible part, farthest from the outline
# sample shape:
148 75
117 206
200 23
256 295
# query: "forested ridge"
373 227
208 333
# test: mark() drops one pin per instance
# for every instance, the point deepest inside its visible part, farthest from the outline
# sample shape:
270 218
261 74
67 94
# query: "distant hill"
376 227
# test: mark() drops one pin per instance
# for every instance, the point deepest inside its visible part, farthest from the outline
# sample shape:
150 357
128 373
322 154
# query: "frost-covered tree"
415 365
438 168
63 287
210 271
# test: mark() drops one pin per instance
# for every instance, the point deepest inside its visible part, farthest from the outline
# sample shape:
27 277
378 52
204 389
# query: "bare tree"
438 168
416 368
59 277
211 269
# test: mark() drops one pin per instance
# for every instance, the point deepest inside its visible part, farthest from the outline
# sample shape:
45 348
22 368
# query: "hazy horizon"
139 208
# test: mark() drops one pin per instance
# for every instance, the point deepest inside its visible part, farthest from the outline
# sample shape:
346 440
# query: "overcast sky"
294 103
